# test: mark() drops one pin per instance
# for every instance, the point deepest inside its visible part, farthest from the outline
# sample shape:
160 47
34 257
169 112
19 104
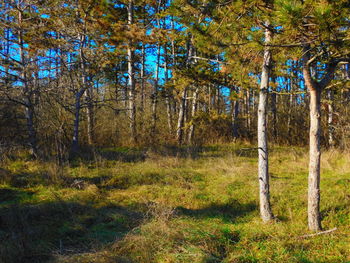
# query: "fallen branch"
319 233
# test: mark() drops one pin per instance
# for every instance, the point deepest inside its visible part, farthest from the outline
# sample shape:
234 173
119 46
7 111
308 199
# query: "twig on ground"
319 233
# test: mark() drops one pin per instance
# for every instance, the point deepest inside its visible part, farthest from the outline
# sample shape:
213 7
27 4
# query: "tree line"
97 73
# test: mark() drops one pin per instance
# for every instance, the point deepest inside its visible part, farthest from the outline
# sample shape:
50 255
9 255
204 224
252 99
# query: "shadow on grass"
129 154
11 195
227 212
121 154
185 151
34 233
21 178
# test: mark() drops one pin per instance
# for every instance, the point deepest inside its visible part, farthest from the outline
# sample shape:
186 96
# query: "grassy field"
170 205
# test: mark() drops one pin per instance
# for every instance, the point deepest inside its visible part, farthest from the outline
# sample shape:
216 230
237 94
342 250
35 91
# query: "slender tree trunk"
78 96
155 94
193 113
89 116
248 110
168 112
289 115
264 185
75 141
27 92
167 93
234 116
218 108
131 77
29 113
314 220
181 119
143 67
314 197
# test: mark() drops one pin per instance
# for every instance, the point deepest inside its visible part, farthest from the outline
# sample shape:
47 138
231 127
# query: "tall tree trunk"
90 115
142 76
29 114
234 116
27 92
78 96
314 218
181 119
264 185
75 140
193 113
131 77
247 105
155 94
289 111
167 93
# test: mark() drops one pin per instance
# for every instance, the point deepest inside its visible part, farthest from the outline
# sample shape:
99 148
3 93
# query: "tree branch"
319 233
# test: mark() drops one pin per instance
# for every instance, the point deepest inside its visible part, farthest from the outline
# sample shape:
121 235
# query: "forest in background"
112 73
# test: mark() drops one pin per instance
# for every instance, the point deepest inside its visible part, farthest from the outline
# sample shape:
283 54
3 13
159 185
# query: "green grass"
170 205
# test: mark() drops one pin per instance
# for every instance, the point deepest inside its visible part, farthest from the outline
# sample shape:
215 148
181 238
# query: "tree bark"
247 106
29 113
27 91
263 171
234 116
314 218
142 76
193 113
155 94
181 119
75 140
90 115
167 92
131 77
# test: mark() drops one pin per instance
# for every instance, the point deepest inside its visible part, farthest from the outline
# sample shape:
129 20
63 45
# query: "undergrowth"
170 204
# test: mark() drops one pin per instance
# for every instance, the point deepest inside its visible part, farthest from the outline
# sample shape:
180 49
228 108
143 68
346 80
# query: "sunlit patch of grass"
171 205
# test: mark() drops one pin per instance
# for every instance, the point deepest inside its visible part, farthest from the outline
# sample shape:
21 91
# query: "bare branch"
319 233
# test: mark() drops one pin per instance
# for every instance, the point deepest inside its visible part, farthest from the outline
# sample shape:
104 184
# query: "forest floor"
170 205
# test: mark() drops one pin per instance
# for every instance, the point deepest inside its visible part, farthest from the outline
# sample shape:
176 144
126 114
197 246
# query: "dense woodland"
106 73
81 76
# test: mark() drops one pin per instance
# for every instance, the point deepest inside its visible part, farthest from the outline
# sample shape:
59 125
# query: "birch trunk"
263 171
181 119
193 113
131 78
